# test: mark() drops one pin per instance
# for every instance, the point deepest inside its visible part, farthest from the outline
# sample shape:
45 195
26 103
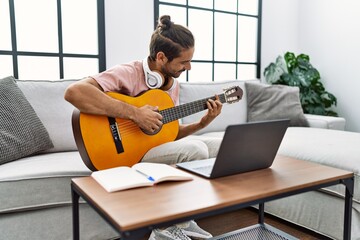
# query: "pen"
147 176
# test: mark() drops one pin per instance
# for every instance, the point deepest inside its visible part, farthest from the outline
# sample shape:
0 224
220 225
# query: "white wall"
326 30
329 32
279 30
129 25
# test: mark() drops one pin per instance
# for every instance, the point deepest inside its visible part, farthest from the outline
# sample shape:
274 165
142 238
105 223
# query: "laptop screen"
245 147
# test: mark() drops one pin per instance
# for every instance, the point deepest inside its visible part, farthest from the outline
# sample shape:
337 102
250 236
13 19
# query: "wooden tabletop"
168 201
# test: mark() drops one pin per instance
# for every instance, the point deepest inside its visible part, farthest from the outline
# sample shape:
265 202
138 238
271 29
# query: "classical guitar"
106 142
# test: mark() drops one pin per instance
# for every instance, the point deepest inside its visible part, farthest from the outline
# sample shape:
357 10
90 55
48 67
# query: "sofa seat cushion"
39 181
231 113
339 149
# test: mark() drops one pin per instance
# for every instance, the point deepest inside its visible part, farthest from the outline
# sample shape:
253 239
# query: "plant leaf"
290 61
274 71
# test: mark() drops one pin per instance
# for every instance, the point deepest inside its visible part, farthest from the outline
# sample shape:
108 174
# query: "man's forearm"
188 129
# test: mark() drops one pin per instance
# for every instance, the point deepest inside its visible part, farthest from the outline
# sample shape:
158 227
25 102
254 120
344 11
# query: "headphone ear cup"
153 79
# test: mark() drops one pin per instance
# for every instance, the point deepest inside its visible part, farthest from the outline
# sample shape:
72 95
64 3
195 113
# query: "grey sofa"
35 190
324 142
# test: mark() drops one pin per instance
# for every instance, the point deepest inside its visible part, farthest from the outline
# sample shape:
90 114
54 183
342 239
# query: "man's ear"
160 56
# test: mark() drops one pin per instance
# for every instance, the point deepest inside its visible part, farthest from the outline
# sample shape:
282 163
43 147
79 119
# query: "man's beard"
171 74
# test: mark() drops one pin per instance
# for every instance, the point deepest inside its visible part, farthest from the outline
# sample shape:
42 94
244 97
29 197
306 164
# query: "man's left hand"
214 109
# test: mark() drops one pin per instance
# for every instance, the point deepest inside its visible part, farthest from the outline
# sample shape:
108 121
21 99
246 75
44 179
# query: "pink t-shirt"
129 79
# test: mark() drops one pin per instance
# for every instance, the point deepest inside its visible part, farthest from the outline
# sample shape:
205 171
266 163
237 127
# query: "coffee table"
134 213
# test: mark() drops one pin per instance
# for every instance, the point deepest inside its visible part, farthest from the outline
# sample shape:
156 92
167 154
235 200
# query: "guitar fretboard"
177 112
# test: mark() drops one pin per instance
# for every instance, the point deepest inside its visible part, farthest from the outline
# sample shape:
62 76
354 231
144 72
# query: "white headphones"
152 79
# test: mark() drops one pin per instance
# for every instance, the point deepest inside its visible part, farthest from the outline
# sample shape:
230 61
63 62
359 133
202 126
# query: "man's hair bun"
165 22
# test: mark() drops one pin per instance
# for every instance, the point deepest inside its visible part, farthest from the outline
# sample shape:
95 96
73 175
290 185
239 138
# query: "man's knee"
194 150
212 143
178 151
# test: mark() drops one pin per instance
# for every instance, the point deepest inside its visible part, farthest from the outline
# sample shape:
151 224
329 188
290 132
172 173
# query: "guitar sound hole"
151 132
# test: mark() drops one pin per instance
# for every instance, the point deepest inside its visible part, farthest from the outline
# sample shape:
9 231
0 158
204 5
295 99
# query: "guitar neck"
187 109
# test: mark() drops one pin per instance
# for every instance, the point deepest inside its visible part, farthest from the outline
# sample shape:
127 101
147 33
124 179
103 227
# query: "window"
51 39
227 36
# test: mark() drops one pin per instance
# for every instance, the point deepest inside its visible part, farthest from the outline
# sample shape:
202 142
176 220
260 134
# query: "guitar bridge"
115 133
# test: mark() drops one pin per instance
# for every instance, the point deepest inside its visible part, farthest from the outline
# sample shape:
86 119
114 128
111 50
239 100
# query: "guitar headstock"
233 94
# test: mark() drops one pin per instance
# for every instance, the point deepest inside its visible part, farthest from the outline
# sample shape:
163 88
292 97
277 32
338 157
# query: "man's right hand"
89 97
148 118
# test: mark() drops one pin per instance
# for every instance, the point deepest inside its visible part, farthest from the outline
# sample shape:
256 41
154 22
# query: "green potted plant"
297 71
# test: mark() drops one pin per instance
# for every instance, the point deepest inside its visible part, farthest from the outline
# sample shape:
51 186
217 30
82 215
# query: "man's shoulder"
126 68
136 64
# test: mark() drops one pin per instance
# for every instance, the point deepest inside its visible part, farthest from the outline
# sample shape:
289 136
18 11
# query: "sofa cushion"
339 149
21 131
47 98
234 113
40 181
269 102
329 122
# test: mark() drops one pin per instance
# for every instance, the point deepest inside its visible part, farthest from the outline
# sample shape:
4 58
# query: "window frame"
257 63
101 56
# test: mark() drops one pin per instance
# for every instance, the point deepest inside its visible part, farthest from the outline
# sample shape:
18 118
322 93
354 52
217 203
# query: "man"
171 52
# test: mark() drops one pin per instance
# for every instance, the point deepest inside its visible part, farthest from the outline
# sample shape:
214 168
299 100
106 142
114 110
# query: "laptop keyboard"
204 169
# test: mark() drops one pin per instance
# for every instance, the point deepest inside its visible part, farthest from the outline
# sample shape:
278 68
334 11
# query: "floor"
232 221
218 225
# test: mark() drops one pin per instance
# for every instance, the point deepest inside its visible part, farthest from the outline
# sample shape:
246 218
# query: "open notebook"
245 147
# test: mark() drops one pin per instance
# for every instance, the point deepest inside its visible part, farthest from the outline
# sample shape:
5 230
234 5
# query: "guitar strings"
169 115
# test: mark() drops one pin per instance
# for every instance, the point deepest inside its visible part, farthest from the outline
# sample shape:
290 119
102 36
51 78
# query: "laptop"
245 147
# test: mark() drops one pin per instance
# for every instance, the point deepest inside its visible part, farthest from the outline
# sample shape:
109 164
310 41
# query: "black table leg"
75 212
349 190
261 213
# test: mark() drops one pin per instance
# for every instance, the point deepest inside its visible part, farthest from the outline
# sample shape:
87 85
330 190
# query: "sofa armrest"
318 121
